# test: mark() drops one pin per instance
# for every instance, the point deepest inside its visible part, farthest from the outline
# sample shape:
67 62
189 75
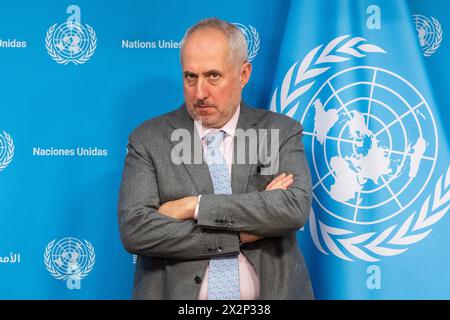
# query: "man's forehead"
204 67
205 46
207 36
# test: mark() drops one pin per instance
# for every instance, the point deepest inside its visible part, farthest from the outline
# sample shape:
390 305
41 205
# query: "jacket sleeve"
265 213
144 231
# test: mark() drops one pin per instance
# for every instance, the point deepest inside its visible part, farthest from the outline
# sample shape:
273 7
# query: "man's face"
212 80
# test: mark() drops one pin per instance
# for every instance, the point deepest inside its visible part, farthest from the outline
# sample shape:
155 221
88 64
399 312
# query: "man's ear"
246 71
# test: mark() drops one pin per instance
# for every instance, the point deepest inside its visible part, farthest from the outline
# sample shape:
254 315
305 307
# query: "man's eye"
190 77
214 76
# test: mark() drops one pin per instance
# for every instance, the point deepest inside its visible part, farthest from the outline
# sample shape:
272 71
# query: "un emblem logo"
6 150
71 42
429 33
252 38
372 144
69 260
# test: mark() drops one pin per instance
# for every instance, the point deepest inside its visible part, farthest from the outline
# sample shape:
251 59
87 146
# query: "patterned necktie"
223 276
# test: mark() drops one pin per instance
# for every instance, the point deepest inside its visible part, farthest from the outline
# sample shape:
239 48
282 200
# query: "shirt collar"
229 127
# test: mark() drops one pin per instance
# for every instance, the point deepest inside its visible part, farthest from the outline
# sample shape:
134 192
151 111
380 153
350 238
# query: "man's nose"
201 91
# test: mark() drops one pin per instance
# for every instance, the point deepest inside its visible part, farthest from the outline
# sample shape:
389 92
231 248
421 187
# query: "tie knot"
213 139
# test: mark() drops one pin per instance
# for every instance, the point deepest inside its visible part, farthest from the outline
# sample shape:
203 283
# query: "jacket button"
198 280
206 250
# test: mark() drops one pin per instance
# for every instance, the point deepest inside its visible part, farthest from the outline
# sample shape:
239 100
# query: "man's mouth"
205 108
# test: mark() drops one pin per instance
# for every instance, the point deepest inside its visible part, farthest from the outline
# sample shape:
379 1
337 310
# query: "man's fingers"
281 183
284 183
277 179
288 181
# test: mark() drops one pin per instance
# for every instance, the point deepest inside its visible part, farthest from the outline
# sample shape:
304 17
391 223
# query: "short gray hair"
236 39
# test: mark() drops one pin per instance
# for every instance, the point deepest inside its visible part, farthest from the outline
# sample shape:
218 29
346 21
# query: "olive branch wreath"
418 225
432 49
256 43
85 57
414 229
9 152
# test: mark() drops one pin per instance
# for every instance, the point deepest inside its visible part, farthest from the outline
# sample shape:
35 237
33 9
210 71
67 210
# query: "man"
218 228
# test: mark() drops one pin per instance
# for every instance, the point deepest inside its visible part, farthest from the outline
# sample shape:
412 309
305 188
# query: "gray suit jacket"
172 254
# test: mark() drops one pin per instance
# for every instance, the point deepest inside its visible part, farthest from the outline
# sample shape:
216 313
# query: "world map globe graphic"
71 40
372 143
69 256
425 30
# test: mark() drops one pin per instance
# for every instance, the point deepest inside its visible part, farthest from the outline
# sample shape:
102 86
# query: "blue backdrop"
367 79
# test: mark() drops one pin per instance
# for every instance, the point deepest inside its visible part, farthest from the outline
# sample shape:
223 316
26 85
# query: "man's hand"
283 181
181 209
246 237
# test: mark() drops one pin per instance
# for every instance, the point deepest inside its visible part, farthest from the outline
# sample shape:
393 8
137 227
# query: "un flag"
356 75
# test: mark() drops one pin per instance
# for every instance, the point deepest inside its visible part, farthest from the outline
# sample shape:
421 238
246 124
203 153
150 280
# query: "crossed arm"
169 231
184 208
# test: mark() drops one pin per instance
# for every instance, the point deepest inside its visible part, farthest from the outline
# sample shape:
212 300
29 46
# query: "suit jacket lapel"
198 172
240 172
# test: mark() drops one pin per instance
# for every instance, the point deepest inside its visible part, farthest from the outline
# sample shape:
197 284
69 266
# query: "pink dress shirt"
248 279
